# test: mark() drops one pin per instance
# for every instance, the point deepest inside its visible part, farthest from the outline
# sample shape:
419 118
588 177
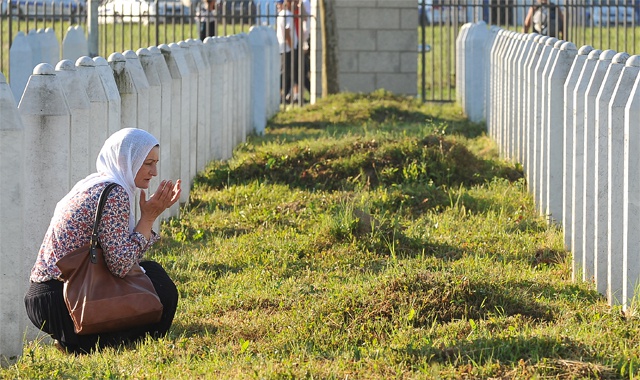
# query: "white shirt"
306 25
283 22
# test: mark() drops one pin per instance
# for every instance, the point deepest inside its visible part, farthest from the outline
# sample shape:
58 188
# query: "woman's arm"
527 21
123 249
165 196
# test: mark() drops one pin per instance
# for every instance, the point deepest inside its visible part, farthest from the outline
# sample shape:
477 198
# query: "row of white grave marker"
570 117
199 99
41 46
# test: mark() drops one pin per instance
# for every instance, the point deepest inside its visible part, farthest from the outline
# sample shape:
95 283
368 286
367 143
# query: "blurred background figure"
207 17
288 43
547 19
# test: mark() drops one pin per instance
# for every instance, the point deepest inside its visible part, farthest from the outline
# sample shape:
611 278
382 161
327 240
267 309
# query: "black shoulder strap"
96 221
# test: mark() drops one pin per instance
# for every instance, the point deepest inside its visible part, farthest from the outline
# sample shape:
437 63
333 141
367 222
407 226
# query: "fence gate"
439 24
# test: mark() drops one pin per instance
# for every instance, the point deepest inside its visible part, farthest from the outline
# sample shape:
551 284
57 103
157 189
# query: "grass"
367 237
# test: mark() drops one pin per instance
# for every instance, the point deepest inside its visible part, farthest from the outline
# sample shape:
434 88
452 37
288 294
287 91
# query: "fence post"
53 47
20 68
154 104
147 63
505 103
530 94
142 88
79 106
260 73
578 176
201 137
14 263
99 108
546 165
517 47
246 84
178 66
568 148
126 89
228 101
74 43
194 105
217 98
498 78
236 80
204 57
474 67
521 90
601 170
275 64
461 75
560 68
36 51
491 58
631 187
589 191
617 174
539 121
105 73
227 114
173 134
517 41
238 70
166 107
273 59
46 119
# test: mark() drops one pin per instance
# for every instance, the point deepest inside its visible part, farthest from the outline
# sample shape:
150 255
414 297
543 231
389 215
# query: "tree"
329 37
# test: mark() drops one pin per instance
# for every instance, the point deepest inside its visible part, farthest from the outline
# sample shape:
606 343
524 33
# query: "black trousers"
288 70
46 309
207 29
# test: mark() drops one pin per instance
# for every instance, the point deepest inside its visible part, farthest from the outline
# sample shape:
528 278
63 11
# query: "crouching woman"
128 158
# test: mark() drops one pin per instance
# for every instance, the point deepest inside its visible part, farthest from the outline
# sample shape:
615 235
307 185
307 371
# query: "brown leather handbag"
99 301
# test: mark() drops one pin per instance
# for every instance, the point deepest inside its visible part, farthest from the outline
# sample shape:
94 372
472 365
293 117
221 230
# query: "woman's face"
149 169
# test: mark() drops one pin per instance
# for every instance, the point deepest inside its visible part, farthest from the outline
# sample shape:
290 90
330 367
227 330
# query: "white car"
43 8
116 11
173 11
612 12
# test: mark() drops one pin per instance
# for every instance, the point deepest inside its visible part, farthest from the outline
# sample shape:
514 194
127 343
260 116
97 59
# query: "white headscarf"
119 160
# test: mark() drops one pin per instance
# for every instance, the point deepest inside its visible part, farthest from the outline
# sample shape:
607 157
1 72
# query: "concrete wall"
377 44
569 116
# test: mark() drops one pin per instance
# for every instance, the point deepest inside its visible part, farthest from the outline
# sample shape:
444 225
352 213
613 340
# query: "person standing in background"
303 23
546 18
288 44
207 17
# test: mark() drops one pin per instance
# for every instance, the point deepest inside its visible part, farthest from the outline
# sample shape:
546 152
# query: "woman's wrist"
144 227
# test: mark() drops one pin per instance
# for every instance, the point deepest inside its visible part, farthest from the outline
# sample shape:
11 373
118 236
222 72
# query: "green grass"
366 237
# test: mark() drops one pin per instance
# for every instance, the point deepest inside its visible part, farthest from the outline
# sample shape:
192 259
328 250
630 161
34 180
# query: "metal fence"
603 24
128 25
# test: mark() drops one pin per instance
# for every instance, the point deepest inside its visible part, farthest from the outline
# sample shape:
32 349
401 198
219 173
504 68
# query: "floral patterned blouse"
122 249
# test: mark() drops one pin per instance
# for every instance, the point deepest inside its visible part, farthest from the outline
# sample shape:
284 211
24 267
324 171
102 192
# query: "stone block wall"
377 44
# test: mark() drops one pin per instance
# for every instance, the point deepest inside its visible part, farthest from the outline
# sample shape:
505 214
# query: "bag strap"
96 222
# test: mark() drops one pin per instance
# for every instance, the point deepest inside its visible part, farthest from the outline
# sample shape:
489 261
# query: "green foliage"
394 245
